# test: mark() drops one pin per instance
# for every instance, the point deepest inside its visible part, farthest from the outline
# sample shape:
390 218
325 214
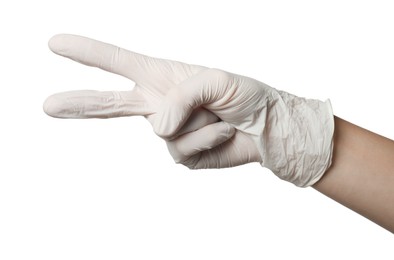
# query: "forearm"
361 176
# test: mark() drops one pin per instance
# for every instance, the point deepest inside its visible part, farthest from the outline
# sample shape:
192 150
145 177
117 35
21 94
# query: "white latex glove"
153 78
291 136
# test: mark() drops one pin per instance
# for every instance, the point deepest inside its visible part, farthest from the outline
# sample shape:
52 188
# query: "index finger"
142 69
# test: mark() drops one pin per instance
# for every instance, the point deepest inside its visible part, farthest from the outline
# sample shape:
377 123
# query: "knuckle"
179 157
192 162
220 74
175 152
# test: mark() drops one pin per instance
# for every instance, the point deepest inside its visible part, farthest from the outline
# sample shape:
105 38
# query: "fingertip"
59 42
54 41
50 106
54 106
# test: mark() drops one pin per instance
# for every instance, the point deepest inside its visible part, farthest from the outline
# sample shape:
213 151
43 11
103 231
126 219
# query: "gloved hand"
153 78
291 136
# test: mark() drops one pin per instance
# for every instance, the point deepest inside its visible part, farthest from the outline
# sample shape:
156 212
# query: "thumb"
96 104
204 88
203 139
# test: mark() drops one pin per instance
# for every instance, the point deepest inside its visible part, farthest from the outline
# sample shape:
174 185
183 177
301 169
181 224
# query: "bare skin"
362 173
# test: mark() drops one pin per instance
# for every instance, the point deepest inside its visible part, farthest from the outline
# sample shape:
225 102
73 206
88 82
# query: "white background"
107 189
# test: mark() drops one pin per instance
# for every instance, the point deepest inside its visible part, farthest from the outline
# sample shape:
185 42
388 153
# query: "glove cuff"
297 140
